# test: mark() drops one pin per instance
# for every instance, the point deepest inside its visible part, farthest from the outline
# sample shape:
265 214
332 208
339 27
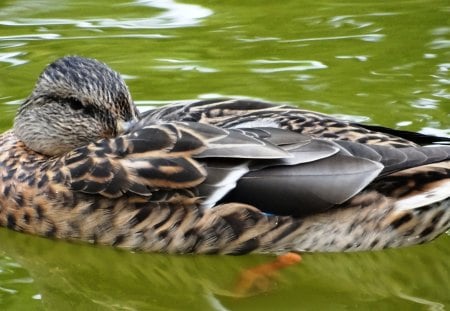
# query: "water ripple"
175 15
425 103
435 131
440 43
298 65
370 37
12 59
361 58
442 93
339 21
444 67
403 123
352 118
257 39
31 37
8 290
54 36
441 31
184 65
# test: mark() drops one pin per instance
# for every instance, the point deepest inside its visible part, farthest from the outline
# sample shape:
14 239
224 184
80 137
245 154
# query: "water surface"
374 62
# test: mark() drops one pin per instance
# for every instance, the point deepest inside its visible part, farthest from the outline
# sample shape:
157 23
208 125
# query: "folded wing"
275 170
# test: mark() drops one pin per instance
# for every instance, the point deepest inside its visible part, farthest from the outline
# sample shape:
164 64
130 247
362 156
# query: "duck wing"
300 188
157 156
317 175
184 155
276 170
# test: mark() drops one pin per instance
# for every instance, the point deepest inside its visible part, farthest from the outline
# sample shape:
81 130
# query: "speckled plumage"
216 176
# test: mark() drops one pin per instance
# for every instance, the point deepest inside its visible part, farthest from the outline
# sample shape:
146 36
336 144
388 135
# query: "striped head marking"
75 101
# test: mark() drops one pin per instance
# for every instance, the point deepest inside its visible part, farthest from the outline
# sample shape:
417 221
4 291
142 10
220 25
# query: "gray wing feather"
317 175
306 188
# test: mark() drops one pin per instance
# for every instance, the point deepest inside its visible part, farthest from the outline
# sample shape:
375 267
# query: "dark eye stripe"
75 103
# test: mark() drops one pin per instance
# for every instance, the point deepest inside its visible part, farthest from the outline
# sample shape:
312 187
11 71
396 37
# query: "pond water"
370 61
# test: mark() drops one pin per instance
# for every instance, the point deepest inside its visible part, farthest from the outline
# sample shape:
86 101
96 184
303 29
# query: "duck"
216 176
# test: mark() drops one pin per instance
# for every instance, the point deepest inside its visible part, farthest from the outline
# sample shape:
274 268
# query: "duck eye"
75 103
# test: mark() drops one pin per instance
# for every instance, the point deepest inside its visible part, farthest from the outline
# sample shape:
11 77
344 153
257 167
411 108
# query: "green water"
375 62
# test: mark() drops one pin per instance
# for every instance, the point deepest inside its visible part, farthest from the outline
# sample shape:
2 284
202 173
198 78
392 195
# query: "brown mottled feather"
230 113
152 157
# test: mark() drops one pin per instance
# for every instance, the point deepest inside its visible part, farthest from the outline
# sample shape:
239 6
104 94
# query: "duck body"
220 176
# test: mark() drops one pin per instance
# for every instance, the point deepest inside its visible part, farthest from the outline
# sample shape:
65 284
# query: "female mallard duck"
216 176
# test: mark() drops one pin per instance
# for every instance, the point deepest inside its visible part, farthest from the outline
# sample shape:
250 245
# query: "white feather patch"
225 185
258 123
436 194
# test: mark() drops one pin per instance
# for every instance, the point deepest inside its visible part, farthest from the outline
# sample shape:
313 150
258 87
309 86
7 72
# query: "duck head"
75 101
